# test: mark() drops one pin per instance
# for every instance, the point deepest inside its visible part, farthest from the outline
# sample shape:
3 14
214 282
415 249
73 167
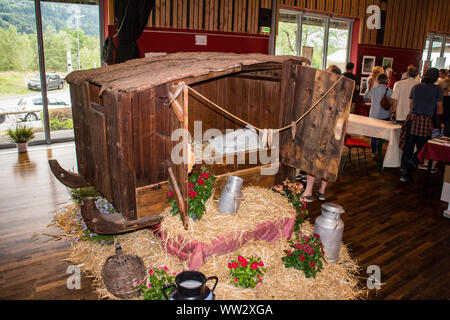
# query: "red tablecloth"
196 252
434 151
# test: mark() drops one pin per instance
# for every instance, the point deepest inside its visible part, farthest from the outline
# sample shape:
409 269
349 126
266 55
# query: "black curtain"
131 17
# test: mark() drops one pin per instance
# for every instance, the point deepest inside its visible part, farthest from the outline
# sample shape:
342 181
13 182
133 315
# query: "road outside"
10 104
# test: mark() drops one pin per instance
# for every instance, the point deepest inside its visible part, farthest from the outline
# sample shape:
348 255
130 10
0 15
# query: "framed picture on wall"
367 64
363 85
387 62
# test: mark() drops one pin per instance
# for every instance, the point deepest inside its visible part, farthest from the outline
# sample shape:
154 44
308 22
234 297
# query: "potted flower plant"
151 287
292 191
21 135
199 191
247 272
306 254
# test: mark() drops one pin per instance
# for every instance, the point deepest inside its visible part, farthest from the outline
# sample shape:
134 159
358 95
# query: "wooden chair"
358 144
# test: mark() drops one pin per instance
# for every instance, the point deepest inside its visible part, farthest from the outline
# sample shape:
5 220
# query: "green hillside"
58 16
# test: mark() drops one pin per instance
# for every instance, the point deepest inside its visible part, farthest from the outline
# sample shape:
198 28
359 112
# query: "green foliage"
151 288
61 124
293 191
246 272
77 194
199 191
306 255
20 134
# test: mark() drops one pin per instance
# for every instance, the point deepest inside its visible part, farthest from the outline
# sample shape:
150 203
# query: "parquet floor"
398 227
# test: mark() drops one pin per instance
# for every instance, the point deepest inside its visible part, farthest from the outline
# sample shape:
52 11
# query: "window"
437 51
321 38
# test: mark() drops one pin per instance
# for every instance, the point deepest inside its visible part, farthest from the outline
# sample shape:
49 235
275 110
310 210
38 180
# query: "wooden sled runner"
69 179
124 116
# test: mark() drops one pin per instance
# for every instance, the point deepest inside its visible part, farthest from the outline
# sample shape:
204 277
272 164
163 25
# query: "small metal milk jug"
231 195
330 227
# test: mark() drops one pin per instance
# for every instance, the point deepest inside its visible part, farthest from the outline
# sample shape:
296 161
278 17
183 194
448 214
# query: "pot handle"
215 284
165 288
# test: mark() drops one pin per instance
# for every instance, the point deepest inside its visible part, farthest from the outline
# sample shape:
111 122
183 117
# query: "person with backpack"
380 97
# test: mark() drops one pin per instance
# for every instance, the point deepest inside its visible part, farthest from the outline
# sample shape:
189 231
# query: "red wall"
402 57
175 40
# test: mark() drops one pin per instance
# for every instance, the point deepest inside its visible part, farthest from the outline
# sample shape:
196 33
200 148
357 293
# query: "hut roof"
145 73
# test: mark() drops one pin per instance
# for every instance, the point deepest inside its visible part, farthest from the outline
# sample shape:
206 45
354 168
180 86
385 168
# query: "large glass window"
437 51
71 41
321 38
313 36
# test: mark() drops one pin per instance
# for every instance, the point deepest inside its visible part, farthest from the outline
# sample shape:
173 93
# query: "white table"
382 129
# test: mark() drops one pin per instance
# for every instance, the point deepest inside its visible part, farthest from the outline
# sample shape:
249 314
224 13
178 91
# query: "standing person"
425 97
376 110
400 96
349 74
372 81
391 78
442 76
445 86
311 179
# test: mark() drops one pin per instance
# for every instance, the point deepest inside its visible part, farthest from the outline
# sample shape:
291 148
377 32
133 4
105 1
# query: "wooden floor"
396 226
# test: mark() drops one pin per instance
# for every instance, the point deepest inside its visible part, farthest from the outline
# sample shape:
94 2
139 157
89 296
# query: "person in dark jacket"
425 100
349 74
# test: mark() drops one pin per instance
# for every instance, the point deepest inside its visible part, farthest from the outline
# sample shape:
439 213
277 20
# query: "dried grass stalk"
335 281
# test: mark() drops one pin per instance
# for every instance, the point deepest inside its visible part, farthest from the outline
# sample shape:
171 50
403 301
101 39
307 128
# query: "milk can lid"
333 207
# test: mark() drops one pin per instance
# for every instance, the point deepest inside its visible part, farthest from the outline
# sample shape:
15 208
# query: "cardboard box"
447 174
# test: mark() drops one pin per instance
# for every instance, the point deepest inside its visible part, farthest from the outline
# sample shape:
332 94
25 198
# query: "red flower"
234 265
205 175
316 235
298 245
244 263
191 185
241 259
305 238
230 265
254 266
192 194
170 194
289 253
312 264
301 257
200 181
261 264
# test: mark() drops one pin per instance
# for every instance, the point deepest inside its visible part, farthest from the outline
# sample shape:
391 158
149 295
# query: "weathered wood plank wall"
406 25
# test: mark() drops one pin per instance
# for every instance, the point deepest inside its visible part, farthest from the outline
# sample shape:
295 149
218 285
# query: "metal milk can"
231 195
330 227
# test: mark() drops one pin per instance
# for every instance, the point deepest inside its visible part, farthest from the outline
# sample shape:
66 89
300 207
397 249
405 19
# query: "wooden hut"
124 116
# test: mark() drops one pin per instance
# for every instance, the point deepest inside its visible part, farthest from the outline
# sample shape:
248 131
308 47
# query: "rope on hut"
265 132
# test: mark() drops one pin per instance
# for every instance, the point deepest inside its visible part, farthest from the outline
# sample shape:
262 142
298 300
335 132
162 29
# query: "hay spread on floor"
335 281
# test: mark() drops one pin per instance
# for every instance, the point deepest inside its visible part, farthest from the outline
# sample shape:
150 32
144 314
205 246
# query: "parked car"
2 116
32 107
54 81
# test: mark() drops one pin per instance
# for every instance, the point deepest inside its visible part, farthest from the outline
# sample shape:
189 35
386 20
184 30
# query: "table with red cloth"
437 149
195 252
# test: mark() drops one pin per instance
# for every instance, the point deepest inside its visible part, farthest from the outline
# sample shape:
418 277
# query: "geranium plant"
199 191
292 191
247 272
151 287
306 254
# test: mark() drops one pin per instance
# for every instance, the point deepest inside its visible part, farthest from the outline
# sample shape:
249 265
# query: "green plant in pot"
21 135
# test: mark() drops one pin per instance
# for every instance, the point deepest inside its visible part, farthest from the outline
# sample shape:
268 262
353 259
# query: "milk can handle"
215 284
165 288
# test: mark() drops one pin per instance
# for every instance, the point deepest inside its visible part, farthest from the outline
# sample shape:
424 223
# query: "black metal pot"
190 285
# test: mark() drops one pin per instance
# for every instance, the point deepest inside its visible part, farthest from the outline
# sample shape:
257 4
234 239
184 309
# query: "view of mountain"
20 13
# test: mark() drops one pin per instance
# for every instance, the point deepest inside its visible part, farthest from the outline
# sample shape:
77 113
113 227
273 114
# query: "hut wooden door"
317 144
179 144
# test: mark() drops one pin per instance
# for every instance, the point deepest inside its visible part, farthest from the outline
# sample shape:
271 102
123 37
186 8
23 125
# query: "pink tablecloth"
434 151
196 252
